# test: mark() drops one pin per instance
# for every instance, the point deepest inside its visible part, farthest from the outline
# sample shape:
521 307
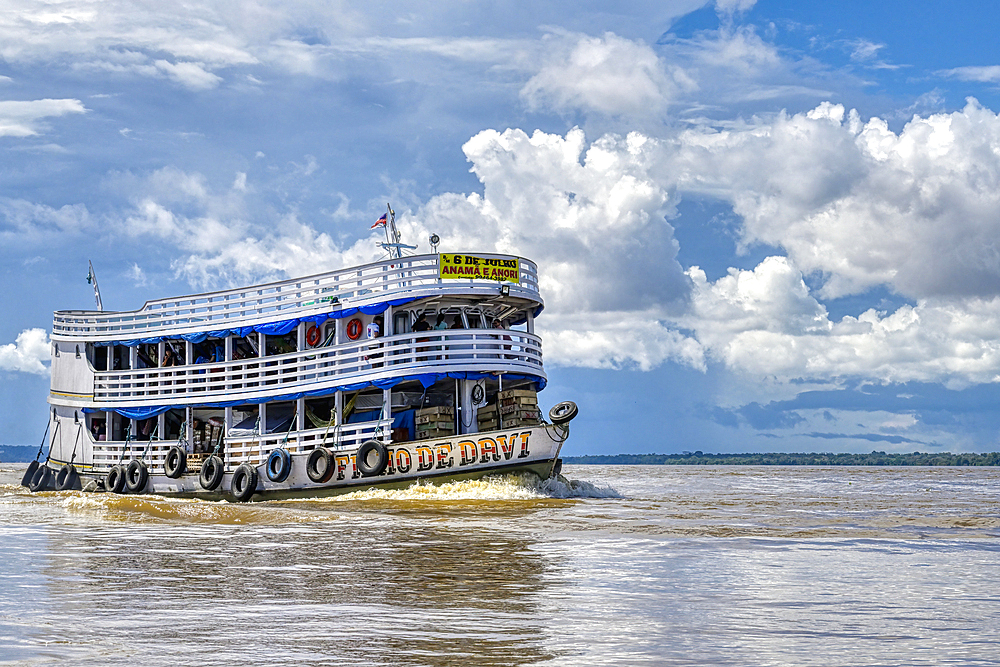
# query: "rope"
218 443
44 437
76 442
128 439
295 414
149 442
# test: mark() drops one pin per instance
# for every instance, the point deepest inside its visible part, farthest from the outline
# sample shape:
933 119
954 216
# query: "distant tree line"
793 459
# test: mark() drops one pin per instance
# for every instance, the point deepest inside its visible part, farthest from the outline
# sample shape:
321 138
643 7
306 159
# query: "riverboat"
415 368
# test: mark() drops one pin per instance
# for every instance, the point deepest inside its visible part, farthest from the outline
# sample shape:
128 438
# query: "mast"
92 279
392 236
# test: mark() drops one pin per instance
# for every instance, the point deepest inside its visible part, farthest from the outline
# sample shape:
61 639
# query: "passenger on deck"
373 331
169 358
422 325
440 323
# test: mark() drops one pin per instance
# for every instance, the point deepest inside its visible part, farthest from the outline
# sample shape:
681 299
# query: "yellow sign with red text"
481 268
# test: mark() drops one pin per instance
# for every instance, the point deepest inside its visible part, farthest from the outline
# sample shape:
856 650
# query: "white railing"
255 450
392 356
107 454
274 301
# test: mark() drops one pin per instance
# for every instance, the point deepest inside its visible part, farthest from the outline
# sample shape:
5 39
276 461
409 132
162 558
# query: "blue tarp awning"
277 328
425 379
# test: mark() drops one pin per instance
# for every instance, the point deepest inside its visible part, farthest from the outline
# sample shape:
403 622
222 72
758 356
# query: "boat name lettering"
475 266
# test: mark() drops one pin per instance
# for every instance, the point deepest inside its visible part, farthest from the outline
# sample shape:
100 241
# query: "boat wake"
502 487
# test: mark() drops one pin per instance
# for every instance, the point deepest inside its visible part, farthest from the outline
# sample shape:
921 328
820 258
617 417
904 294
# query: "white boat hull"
532 449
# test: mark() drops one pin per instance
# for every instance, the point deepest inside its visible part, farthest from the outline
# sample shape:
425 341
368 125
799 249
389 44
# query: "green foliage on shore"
792 459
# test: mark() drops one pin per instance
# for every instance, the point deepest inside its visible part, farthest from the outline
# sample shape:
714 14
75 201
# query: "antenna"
92 279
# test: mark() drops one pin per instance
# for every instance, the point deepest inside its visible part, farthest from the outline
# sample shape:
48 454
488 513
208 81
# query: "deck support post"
387 413
189 427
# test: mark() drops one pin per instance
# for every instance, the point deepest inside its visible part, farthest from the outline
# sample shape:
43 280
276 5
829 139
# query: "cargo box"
435 433
436 410
437 426
518 393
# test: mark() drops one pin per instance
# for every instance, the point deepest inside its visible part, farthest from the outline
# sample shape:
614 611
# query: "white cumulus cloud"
25 118
27 354
861 205
607 74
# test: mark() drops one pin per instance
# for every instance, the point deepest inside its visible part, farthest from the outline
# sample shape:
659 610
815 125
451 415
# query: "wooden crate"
436 426
518 400
435 433
519 412
443 410
194 461
518 393
517 423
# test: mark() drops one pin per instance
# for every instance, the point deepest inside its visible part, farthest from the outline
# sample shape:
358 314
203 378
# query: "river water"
625 565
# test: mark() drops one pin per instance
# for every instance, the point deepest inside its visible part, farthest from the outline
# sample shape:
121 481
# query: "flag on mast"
380 222
92 280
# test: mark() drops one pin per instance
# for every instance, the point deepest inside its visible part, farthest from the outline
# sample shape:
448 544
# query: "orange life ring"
312 336
354 329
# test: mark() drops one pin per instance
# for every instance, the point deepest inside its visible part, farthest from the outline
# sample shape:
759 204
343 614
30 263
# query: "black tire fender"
136 476
114 481
244 483
563 413
320 465
279 465
175 462
67 479
372 469
29 473
211 474
41 479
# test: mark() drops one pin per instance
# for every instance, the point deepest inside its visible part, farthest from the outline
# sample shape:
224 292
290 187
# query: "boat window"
55 348
77 351
401 323
281 344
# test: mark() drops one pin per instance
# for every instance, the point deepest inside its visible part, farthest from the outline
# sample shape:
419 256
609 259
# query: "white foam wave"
504 487
575 488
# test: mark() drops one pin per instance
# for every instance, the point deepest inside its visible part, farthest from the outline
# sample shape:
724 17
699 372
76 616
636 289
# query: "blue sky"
761 226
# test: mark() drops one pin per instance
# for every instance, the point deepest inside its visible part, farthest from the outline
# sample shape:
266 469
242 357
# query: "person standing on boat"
373 331
498 324
420 326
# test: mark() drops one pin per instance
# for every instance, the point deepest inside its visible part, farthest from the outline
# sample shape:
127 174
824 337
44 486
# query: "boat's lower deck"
321 472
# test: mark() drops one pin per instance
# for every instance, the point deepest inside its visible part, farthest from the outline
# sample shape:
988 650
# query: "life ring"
175 463
244 483
279 464
67 478
212 470
40 480
114 481
312 336
319 465
365 451
354 329
563 413
136 476
29 473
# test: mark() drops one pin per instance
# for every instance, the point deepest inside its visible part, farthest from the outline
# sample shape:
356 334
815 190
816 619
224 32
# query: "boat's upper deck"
406 278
